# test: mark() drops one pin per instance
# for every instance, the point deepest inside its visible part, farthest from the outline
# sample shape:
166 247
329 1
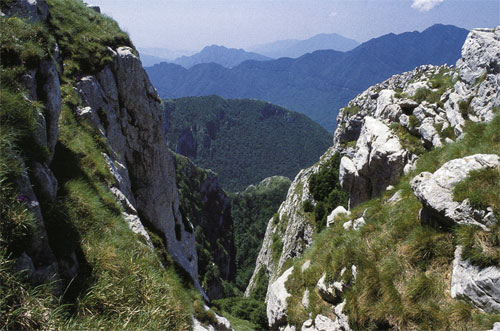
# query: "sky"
193 24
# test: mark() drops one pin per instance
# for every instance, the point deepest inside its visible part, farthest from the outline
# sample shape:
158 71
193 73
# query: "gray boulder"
479 285
276 301
336 212
435 192
378 162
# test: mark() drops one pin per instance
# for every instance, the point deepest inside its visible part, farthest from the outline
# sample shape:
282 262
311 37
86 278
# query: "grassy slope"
121 283
404 268
245 141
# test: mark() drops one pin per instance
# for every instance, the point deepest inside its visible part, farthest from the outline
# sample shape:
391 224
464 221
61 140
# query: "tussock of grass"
482 188
408 141
439 83
83 36
403 267
353 110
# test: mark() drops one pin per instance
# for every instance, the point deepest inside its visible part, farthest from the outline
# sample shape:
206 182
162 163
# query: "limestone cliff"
206 206
381 135
122 107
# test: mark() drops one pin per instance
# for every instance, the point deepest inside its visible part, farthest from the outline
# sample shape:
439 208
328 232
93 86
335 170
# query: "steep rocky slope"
89 194
207 207
406 145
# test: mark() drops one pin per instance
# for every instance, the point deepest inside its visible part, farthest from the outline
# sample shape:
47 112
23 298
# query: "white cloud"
333 14
425 5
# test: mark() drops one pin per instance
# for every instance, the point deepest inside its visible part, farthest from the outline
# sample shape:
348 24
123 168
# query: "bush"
326 191
308 206
245 308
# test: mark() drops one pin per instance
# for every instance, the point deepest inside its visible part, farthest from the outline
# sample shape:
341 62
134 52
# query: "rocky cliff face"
381 135
123 108
206 206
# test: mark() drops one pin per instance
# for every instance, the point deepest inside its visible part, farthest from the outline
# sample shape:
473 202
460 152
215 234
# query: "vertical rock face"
207 208
378 162
123 106
39 185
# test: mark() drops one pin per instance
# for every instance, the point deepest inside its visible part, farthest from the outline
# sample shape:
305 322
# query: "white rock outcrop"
336 212
435 192
276 301
479 285
379 161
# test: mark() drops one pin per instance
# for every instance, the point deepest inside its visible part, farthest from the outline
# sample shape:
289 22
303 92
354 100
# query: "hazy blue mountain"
150 60
226 57
164 53
243 141
295 48
316 84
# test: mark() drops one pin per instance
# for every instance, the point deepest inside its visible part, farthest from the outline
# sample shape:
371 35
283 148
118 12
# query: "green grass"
407 140
439 83
404 268
350 111
83 36
482 188
248 311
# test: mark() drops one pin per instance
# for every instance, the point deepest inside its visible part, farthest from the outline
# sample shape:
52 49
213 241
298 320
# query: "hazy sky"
193 24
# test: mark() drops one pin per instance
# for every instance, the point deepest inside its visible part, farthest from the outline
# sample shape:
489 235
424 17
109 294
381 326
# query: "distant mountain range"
153 55
150 60
295 48
226 57
316 84
243 141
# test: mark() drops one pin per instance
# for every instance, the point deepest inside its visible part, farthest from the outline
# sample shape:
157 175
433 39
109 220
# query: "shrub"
351 110
308 206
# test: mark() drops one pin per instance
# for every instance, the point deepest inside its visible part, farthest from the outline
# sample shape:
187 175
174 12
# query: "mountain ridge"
294 48
226 57
319 83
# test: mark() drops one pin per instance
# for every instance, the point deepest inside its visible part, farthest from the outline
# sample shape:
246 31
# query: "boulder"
320 323
330 292
378 162
354 224
276 301
496 327
336 212
481 286
435 192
